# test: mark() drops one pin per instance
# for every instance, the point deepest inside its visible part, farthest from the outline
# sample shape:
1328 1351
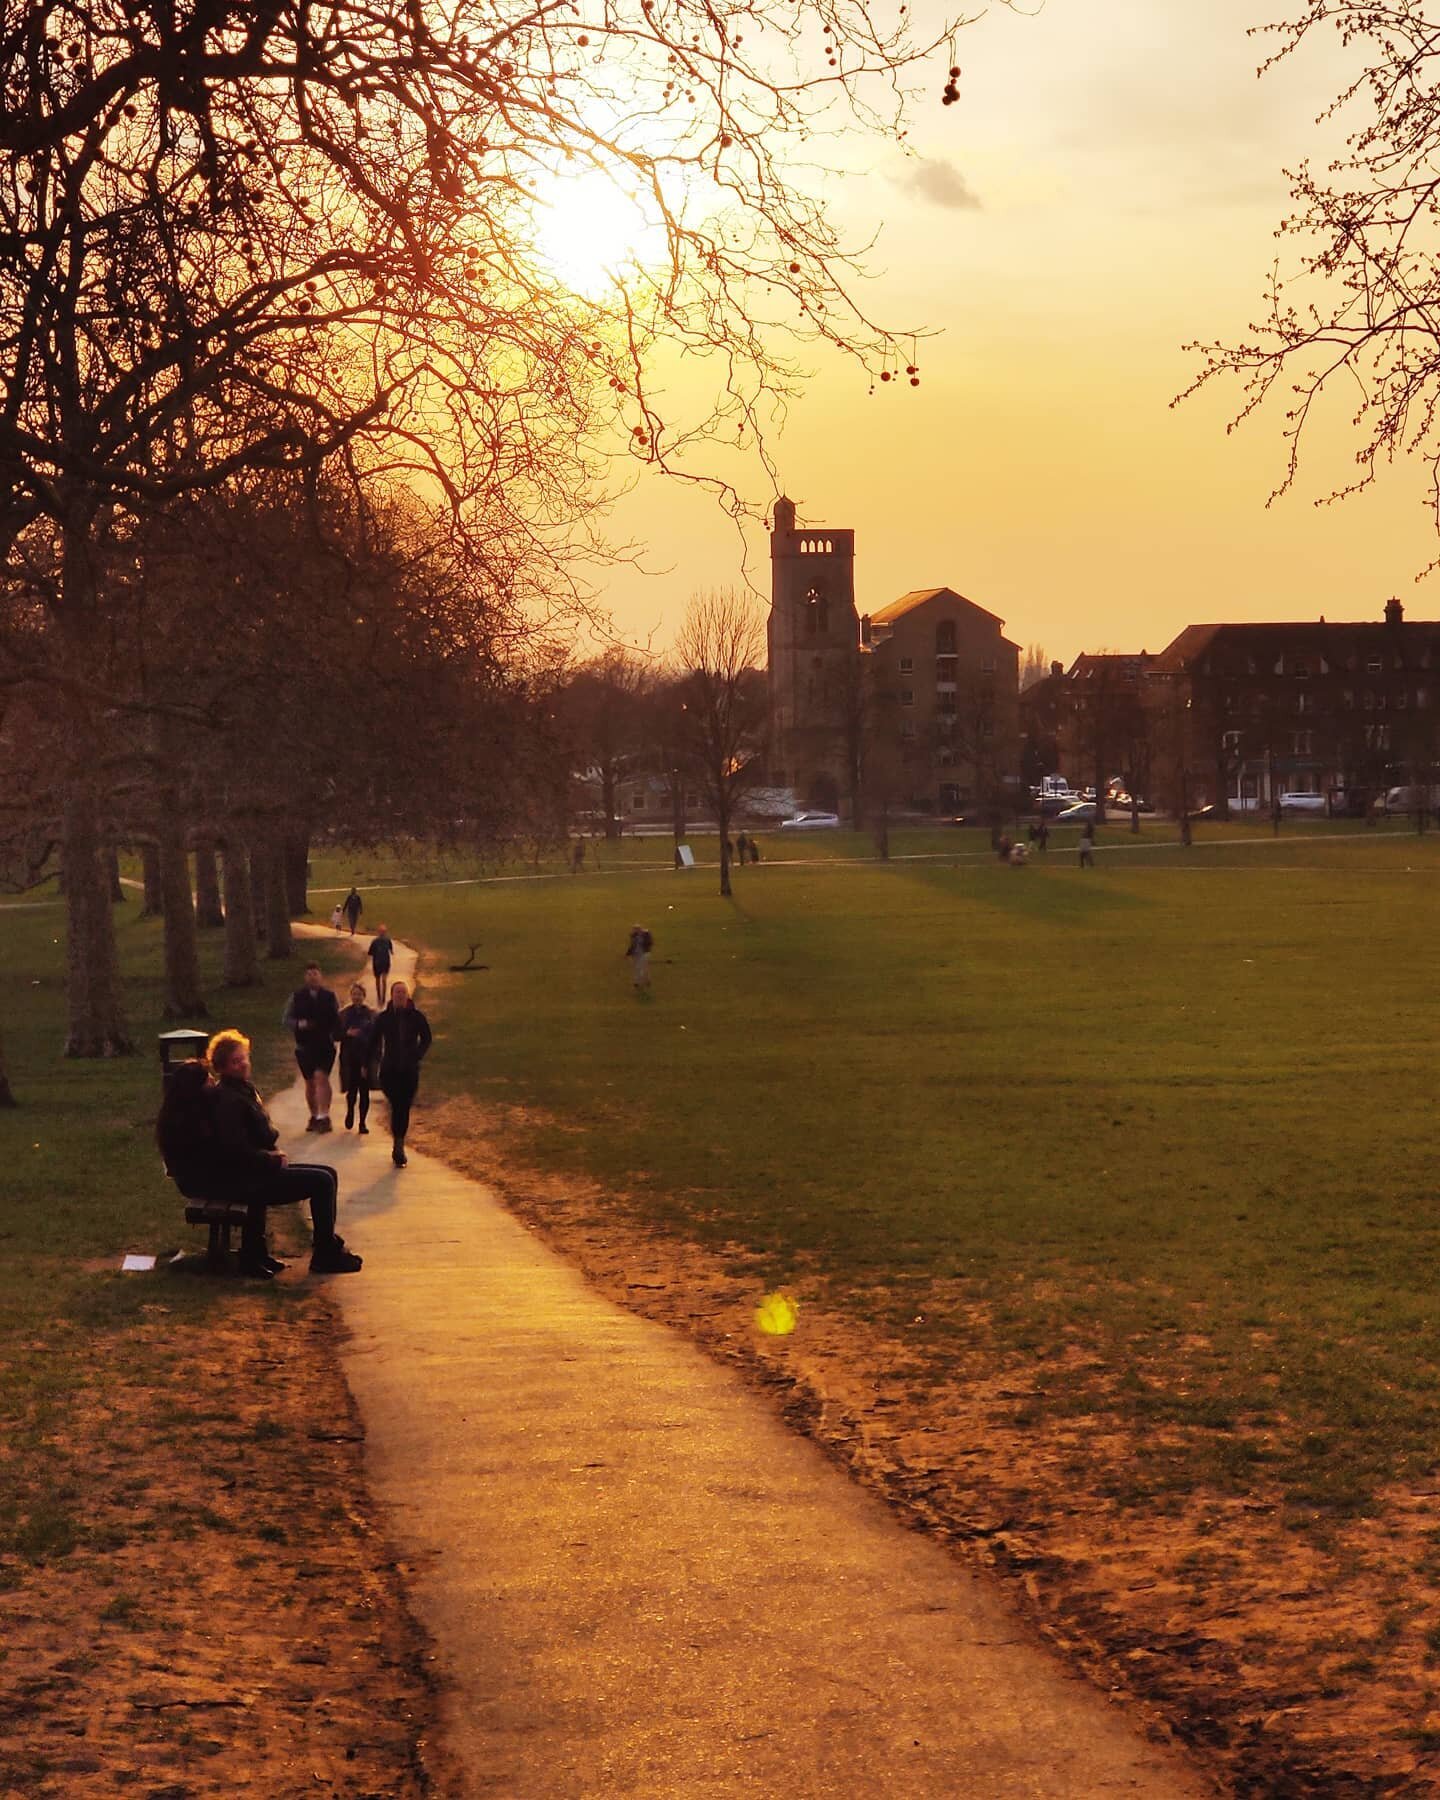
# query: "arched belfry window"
817 613
945 638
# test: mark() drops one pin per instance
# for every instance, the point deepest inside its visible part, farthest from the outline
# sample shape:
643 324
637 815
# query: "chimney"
865 628
1394 612
1057 669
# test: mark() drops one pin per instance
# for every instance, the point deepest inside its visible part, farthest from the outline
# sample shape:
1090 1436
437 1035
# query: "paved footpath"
638 1580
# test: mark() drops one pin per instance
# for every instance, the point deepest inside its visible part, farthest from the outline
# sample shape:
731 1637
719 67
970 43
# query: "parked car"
811 821
1407 799
1076 815
1302 803
1050 806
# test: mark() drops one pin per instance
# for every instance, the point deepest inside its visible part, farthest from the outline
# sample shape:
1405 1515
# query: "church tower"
814 652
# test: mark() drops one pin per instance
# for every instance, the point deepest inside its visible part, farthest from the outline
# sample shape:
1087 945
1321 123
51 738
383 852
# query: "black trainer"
335 1259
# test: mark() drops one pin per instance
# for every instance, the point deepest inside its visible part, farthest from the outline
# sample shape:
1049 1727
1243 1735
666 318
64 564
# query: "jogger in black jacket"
399 1042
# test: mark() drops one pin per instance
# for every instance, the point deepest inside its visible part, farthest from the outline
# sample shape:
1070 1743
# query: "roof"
1294 634
921 597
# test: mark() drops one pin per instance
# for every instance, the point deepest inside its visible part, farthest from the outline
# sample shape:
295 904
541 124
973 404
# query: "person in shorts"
313 1015
381 954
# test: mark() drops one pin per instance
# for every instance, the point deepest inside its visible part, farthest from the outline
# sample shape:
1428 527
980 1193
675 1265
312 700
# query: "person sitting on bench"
264 1176
185 1132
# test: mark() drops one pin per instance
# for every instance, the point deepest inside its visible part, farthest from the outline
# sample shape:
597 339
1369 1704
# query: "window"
907 696
1374 665
1301 671
817 613
1347 699
637 800
945 638
987 665
907 663
946 758
1231 740
1251 666
945 703
1304 701
1377 737
1369 699
1422 696
907 728
1300 743
1402 699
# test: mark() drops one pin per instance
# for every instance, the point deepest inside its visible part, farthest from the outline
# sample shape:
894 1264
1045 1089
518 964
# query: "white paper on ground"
137 1263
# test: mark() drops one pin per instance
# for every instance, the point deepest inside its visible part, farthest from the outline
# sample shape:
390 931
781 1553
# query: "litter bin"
177 1047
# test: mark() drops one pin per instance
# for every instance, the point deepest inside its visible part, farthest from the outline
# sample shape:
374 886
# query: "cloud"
942 184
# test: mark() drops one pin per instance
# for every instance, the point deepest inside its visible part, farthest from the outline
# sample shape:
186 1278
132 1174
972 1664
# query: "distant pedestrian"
638 950
381 954
1087 845
399 1040
577 857
356 1023
354 906
337 917
312 1015
742 849
754 851
1003 847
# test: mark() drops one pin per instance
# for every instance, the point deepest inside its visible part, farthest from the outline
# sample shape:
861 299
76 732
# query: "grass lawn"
1107 1194
172 1448
1185 1093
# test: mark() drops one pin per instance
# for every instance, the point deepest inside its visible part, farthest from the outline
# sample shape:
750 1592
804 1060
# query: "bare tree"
605 709
1354 312
1034 666
720 644
240 236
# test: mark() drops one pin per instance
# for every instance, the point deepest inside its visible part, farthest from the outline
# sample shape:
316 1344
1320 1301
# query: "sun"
591 231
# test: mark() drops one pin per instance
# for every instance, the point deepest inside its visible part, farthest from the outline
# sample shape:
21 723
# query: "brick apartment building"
916 703
1249 712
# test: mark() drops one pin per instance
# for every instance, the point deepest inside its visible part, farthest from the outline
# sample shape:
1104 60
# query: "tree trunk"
296 851
723 809
255 854
183 998
96 1025
154 902
608 785
7 1098
112 875
208 915
278 944
242 969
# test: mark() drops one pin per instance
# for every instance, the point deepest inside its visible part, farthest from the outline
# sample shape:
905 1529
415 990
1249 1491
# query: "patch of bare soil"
230 1620
1292 1669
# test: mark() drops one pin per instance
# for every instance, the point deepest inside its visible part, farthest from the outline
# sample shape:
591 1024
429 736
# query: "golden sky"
1107 189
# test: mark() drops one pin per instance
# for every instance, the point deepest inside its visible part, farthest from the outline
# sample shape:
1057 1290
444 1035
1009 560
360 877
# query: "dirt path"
638 1580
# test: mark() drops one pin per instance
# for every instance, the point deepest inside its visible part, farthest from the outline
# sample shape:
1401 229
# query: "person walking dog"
399 1039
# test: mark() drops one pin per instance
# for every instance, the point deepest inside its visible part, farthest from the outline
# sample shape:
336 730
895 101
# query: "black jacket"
355 1052
399 1041
243 1134
321 1009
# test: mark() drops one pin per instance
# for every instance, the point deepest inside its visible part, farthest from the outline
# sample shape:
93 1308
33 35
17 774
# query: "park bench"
223 1217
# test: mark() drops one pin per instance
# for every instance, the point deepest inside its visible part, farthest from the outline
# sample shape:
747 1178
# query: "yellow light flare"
776 1315
590 231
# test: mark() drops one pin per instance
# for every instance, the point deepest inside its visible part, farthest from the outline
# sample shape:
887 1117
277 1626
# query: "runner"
399 1042
381 954
313 1015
